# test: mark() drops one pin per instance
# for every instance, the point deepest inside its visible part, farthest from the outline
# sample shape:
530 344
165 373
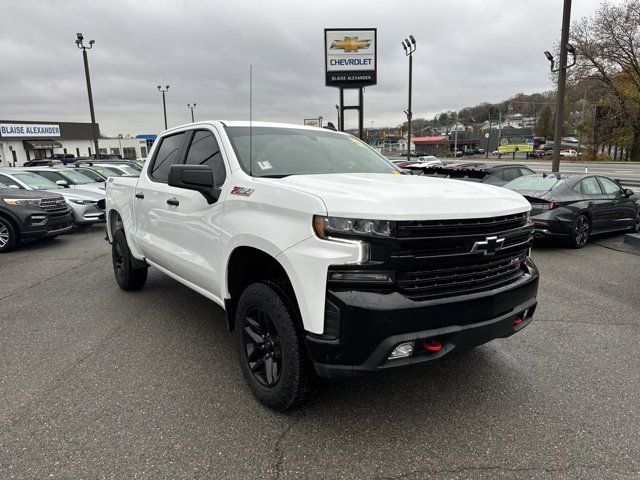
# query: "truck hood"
406 197
69 193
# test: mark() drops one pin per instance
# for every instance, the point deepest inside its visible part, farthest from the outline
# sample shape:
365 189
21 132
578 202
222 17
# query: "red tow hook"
431 344
517 321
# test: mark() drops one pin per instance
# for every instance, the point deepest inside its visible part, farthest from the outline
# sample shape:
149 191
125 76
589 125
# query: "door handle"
139 195
173 201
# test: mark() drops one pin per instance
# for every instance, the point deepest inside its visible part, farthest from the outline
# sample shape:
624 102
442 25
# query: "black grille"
101 204
52 203
473 226
461 277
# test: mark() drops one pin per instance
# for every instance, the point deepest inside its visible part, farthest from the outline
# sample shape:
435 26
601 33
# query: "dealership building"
21 141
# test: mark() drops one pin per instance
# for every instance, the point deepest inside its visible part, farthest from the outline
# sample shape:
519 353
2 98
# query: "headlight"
325 226
79 201
22 201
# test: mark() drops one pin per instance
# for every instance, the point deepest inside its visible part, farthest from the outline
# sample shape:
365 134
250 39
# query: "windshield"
2 185
35 181
279 152
534 183
75 177
91 174
107 172
130 170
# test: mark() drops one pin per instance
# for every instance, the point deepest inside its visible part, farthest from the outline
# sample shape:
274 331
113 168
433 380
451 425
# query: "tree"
607 45
544 127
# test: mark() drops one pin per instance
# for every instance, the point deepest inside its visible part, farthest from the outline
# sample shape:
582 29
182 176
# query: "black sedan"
575 206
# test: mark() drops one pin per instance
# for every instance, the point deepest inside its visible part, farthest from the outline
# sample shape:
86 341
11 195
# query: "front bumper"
87 214
51 226
372 324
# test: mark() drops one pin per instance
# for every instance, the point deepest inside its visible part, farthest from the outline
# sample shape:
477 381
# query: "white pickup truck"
325 257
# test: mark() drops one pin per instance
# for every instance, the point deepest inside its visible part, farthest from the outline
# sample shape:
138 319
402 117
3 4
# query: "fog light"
402 350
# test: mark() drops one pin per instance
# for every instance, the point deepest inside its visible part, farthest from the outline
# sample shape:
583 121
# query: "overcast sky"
468 51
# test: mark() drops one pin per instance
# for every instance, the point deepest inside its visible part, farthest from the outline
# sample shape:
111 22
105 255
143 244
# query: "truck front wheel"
128 276
270 347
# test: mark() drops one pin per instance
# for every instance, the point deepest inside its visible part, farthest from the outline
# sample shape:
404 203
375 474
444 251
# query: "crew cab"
326 258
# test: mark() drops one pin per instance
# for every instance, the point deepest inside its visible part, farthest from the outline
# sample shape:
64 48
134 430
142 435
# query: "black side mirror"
627 192
195 177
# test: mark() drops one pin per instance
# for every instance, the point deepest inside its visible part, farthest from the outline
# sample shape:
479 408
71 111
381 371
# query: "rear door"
621 209
597 203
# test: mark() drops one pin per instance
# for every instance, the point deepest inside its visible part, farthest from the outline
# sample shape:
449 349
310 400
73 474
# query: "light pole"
84 48
562 81
409 45
338 110
164 103
120 144
191 107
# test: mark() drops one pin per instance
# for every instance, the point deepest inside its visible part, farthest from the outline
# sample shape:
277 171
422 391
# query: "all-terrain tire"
128 275
271 349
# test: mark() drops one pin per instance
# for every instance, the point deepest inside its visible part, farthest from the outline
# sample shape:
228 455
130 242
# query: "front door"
621 209
183 228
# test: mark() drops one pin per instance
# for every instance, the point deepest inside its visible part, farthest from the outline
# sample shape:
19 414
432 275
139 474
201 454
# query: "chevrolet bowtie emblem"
489 246
350 44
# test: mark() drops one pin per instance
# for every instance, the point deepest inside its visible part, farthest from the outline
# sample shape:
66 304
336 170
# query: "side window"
590 186
167 154
9 182
526 171
53 176
610 187
496 178
204 150
511 174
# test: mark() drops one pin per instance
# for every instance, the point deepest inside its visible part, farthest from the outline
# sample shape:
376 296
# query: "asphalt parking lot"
100 383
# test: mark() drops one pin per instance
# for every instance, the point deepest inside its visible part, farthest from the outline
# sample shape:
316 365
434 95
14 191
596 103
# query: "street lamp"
565 47
164 104
191 107
80 44
409 45
338 110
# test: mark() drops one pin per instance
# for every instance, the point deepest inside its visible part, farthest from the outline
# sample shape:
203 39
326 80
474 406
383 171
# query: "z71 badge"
242 191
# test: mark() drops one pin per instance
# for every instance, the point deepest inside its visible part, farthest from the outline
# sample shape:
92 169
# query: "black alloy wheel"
270 345
262 347
580 232
636 225
129 274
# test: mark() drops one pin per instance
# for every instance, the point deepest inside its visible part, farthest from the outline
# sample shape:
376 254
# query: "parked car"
575 206
458 153
28 215
278 236
541 153
125 167
476 172
104 172
86 206
426 160
68 178
43 162
65 158
568 153
479 151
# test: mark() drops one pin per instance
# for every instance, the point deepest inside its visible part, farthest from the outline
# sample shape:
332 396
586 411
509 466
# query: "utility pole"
486 152
164 104
190 107
84 48
409 45
562 81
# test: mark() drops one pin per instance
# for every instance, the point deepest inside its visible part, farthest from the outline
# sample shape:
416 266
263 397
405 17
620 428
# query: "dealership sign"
350 57
29 130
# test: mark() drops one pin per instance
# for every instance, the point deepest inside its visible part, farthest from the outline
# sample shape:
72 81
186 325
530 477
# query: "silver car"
67 177
86 206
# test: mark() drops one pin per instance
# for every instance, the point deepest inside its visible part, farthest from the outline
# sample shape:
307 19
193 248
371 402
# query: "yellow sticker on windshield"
357 142
395 172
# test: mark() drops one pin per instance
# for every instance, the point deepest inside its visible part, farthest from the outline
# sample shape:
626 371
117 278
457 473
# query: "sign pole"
361 113
341 125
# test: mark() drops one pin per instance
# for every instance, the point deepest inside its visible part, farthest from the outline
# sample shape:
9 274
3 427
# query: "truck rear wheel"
270 346
128 276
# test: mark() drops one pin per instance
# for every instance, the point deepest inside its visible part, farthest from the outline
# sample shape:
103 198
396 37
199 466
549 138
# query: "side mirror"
62 183
195 177
627 192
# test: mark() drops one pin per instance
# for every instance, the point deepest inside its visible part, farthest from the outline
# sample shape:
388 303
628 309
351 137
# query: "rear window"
534 183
